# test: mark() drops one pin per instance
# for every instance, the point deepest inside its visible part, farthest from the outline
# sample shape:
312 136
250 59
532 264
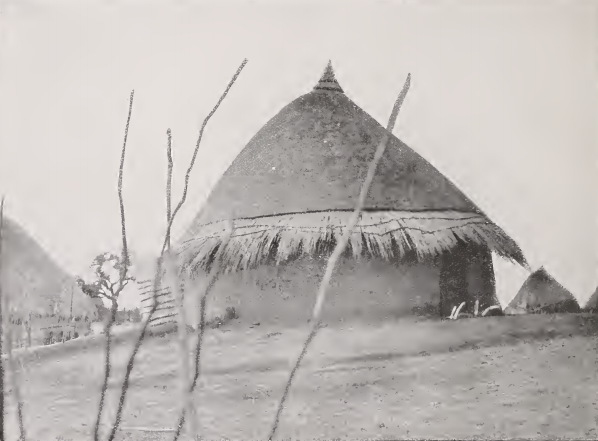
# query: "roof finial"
328 80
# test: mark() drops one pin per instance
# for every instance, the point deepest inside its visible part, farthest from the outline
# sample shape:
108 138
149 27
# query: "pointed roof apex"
328 80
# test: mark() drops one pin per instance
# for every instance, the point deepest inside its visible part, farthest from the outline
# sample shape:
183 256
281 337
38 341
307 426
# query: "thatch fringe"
384 234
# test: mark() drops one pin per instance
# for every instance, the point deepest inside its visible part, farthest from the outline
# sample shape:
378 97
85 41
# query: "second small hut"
542 294
420 246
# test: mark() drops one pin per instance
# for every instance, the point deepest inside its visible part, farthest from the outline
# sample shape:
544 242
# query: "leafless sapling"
109 287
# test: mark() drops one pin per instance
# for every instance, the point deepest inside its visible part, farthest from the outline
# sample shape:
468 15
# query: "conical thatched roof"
293 187
542 293
33 281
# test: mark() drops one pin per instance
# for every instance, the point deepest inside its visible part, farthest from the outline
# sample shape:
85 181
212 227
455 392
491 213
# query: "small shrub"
427 310
49 339
231 314
136 316
216 322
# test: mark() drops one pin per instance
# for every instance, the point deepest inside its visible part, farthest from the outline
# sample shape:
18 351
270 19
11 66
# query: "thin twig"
14 372
341 245
168 180
1 326
215 274
203 126
182 334
178 287
72 293
123 275
159 265
125 254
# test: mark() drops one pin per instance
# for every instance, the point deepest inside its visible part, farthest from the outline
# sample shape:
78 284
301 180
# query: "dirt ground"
497 377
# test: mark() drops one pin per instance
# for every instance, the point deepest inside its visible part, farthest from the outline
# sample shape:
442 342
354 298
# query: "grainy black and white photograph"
298 220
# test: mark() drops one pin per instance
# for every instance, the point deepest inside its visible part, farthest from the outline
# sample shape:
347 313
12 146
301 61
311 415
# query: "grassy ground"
497 377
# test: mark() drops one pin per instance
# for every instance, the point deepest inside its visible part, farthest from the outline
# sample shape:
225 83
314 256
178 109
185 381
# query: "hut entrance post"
28 325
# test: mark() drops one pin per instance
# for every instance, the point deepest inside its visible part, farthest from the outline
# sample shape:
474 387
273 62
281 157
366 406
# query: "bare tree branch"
14 373
169 182
7 328
160 262
2 376
179 290
109 294
125 251
111 287
341 246
123 275
72 294
106 296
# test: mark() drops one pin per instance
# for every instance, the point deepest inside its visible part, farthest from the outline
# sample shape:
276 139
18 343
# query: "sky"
503 101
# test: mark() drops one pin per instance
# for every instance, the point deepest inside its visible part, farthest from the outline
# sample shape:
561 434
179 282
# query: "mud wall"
366 290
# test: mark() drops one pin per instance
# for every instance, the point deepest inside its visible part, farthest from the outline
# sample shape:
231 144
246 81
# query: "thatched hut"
541 293
420 244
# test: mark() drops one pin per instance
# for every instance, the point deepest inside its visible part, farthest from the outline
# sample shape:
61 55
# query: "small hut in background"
541 293
420 243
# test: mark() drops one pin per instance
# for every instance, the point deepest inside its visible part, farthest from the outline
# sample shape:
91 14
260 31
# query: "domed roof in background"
314 155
